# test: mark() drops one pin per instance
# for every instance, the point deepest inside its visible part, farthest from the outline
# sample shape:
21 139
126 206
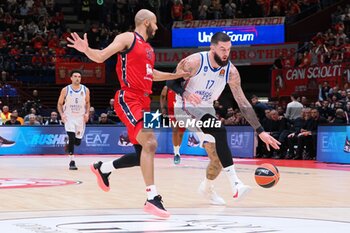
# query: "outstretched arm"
186 68
163 76
119 44
247 109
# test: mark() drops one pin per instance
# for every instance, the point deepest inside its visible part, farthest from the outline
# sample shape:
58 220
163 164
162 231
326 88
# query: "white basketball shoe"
240 191
209 193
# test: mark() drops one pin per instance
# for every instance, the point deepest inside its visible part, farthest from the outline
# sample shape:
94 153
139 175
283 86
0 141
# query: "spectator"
219 109
53 119
19 118
230 10
5 114
36 101
187 16
305 102
26 117
230 118
13 119
294 108
308 136
240 120
340 117
176 10
259 107
289 61
325 111
32 120
111 113
215 10
277 128
93 117
104 120
278 63
202 11
324 91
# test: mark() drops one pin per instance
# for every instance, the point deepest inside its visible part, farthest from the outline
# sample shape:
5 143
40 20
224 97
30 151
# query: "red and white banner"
92 73
249 55
306 81
229 22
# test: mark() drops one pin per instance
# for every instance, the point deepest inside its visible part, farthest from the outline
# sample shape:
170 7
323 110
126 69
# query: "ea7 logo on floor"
12 183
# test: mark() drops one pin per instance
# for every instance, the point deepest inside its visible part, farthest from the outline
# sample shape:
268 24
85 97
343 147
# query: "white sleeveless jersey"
208 82
75 102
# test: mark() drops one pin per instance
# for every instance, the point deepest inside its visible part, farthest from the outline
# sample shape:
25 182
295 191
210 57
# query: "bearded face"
150 32
219 61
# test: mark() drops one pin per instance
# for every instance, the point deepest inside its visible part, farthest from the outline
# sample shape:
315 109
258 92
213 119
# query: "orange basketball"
267 175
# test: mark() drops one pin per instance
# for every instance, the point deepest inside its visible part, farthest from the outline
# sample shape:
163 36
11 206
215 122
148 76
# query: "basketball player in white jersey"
210 71
73 106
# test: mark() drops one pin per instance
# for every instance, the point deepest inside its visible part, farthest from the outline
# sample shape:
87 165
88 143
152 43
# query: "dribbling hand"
269 141
79 44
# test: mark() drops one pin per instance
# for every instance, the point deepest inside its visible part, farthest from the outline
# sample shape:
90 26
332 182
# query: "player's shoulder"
127 35
233 68
65 88
194 59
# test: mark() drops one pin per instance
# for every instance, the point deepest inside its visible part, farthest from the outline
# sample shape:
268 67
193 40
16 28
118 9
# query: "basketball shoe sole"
152 208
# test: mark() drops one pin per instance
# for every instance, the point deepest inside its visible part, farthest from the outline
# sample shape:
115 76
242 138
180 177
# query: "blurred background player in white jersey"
73 106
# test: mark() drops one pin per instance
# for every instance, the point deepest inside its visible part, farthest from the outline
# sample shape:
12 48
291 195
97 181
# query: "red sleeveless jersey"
135 66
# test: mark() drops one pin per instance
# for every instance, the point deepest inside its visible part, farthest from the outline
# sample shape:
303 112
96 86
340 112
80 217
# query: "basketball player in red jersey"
167 98
135 69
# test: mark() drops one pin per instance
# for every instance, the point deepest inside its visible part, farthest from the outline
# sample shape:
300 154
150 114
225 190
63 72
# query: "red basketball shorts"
130 107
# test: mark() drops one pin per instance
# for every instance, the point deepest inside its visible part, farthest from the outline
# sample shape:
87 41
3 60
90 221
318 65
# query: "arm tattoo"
243 104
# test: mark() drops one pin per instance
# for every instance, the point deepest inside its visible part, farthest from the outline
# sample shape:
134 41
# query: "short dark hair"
219 37
75 71
295 95
253 97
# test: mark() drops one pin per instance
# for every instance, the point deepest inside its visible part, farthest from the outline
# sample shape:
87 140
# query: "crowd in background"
33 33
329 47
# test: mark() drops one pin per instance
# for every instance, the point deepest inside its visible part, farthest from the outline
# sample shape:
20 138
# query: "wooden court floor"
310 197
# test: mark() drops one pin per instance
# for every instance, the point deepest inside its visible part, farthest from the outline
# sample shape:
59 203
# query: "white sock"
176 150
107 167
208 183
151 192
232 175
71 157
